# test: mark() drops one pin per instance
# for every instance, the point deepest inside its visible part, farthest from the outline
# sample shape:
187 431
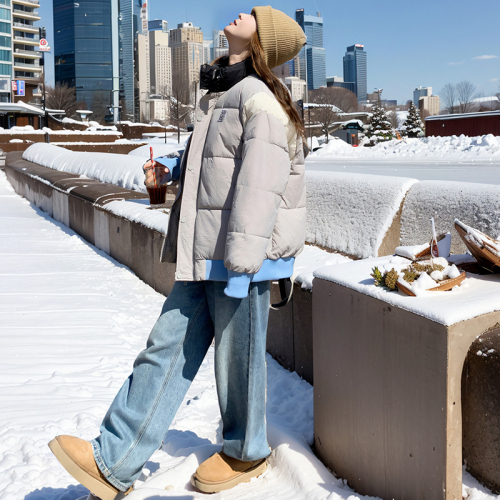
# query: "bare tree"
99 105
466 93
393 119
62 96
179 98
332 103
448 96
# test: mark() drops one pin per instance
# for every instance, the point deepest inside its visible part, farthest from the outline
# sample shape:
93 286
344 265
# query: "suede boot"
76 456
221 472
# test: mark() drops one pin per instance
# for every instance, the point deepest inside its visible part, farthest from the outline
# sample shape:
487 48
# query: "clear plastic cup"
158 194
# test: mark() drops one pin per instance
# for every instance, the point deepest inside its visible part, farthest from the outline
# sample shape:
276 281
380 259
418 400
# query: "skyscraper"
355 70
186 42
220 44
95 50
312 56
421 92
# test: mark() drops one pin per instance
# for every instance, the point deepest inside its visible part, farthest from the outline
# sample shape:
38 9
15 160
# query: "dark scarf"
220 77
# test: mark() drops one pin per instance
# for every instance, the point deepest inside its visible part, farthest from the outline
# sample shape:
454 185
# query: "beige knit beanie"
280 36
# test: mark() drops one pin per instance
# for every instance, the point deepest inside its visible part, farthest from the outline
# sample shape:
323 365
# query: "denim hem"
244 458
102 466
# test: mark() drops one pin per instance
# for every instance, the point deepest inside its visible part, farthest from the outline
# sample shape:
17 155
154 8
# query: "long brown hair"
279 90
275 86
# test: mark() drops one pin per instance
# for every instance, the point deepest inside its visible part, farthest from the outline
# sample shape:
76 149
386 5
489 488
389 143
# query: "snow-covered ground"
465 159
72 320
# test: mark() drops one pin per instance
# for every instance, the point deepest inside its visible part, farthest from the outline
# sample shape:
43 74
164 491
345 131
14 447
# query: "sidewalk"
72 321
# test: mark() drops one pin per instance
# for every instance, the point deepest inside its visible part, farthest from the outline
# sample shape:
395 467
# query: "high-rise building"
22 43
96 51
429 103
220 45
421 92
160 59
355 70
186 42
208 51
312 66
297 88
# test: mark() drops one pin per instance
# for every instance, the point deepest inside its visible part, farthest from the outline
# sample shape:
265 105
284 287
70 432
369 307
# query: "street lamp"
378 91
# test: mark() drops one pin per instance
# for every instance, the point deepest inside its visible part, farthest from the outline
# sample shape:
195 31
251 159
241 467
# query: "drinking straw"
151 155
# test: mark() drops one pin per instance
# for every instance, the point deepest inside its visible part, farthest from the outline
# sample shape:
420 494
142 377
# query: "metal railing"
35 53
26 12
25 26
34 2
20 38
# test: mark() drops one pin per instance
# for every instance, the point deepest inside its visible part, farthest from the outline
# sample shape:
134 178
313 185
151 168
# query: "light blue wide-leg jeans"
193 314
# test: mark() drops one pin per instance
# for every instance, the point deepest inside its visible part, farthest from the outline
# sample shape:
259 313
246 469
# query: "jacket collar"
220 77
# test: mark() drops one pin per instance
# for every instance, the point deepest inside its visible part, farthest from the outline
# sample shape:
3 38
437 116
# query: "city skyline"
449 47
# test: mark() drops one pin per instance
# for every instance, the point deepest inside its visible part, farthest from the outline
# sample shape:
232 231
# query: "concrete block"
280 331
481 409
81 218
302 332
101 229
142 252
120 242
164 272
387 389
60 207
38 193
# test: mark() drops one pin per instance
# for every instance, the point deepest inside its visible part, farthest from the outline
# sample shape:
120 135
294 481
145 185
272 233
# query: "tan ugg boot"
76 456
221 472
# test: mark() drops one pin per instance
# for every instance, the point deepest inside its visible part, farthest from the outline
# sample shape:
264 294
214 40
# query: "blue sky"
408 43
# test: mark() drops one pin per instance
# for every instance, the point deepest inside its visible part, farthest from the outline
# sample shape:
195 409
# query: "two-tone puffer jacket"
240 210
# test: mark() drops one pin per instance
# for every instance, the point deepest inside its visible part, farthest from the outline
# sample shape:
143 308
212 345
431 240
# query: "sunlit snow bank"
121 170
462 147
352 212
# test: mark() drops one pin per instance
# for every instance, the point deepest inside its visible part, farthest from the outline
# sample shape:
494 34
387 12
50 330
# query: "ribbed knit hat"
280 36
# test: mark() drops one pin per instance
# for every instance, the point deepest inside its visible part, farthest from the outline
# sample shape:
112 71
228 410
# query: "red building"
470 124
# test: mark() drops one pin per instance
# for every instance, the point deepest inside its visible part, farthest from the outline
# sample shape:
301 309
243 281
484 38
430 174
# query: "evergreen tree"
379 128
413 123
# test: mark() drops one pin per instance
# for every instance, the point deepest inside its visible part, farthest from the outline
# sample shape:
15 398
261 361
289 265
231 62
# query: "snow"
72 322
476 204
121 170
476 296
310 259
411 252
462 147
351 212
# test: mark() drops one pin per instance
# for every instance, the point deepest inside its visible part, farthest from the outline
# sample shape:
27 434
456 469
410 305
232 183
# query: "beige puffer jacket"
241 199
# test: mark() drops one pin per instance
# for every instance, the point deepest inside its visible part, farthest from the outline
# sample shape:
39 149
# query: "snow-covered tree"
413 124
379 128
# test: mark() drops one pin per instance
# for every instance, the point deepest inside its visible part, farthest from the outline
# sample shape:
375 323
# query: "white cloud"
484 57
454 63
494 80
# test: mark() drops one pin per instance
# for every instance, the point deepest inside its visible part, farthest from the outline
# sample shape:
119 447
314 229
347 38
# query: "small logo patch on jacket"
222 115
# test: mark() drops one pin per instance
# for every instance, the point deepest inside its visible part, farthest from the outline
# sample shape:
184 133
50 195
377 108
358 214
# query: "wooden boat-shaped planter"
442 286
485 254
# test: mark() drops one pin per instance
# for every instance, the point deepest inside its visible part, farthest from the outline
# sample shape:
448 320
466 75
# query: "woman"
237 223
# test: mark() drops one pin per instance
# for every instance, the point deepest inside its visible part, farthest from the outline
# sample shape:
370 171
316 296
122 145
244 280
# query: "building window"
5 69
5 2
5 41
4 27
6 55
5 14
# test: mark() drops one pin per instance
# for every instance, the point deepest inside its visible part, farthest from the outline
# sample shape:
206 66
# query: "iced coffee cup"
157 190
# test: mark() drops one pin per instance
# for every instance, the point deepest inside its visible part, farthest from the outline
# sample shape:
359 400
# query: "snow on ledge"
478 294
351 213
122 170
477 205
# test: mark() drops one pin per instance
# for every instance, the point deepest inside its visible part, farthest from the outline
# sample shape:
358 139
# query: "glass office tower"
83 47
355 70
312 55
